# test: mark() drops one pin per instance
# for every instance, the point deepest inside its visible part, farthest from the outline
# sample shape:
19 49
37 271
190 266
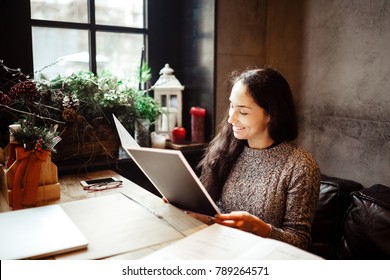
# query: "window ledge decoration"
79 105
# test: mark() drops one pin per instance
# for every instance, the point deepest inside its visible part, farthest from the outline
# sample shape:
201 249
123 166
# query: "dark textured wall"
240 43
335 55
341 81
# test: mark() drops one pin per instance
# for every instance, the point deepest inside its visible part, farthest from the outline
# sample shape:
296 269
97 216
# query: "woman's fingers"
237 215
240 220
244 221
203 218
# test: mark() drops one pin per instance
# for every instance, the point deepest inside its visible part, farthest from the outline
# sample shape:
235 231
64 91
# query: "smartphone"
87 183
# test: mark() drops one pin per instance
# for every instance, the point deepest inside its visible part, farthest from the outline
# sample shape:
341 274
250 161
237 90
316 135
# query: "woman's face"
249 121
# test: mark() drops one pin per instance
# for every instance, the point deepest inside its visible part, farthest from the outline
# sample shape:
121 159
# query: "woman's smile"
238 129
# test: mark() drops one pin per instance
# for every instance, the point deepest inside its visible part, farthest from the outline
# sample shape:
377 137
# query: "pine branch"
31 114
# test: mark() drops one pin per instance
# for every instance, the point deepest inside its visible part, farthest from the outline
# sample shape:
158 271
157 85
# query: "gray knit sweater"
280 185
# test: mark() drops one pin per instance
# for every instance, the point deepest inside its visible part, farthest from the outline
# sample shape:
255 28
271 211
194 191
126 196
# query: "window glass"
59 51
120 12
123 57
63 38
60 10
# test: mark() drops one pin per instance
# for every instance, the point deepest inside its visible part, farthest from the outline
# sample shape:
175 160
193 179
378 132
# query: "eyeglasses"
103 186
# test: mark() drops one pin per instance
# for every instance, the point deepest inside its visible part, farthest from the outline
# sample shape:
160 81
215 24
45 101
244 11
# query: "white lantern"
168 92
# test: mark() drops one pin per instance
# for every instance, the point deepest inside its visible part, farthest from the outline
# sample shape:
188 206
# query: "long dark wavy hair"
271 91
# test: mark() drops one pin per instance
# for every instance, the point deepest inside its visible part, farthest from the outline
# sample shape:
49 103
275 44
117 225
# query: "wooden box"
49 187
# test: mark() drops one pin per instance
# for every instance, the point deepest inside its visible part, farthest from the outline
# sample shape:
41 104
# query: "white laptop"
171 174
38 233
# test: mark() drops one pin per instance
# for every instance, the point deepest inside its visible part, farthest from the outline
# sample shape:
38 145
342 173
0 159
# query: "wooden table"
71 189
109 218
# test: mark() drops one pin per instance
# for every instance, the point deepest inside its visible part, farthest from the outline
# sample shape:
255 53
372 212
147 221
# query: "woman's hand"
244 221
203 218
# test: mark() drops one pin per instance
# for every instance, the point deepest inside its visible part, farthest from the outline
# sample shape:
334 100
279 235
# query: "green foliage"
104 94
36 137
79 99
146 107
144 74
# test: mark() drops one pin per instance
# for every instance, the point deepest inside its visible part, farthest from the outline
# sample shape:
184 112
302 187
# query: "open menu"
219 242
183 190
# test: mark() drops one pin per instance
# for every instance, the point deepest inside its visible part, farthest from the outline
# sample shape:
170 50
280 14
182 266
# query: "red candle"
178 135
197 124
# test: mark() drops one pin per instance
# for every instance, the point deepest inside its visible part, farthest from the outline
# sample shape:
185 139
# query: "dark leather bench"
351 222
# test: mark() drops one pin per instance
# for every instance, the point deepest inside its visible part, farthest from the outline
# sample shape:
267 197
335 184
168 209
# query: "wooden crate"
49 188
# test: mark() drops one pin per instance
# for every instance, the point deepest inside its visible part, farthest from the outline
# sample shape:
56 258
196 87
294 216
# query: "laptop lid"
171 174
37 233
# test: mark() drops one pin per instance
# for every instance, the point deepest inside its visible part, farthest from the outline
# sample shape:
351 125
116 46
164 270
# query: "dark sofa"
351 222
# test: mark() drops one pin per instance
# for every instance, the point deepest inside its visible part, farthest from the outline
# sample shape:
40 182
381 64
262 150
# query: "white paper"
114 225
126 139
221 242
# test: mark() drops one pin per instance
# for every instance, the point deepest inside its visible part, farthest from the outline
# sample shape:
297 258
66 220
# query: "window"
94 35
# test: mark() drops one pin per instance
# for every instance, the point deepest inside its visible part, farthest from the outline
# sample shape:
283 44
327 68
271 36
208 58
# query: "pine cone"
69 114
26 89
4 99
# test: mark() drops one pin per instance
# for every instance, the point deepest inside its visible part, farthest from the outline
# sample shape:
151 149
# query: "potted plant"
81 104
138 109
29 165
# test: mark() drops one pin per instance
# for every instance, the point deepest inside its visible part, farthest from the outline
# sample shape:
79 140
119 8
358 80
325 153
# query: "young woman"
264 182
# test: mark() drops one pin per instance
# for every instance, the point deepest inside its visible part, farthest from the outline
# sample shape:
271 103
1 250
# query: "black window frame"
170 39
92 29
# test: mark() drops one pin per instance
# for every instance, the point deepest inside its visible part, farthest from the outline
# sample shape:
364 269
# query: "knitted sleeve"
302 197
